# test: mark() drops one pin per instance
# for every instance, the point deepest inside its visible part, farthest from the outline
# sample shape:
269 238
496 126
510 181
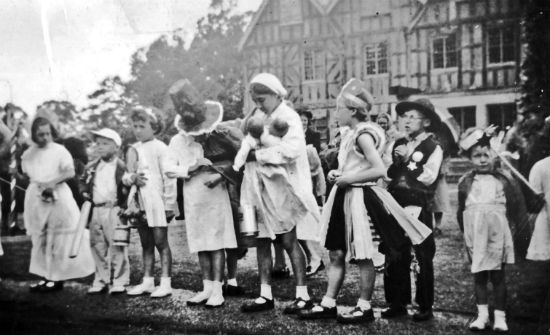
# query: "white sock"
301 292
232 282
148 281
166 282
265 291
207 285
483 311
217 288
328 302
363 304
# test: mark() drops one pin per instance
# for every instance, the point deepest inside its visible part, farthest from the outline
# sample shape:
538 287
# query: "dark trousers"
397 279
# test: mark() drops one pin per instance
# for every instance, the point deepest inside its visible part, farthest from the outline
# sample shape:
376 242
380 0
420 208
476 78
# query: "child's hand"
139 179
343 181
214 182
332 175
399 153
200 162
169 215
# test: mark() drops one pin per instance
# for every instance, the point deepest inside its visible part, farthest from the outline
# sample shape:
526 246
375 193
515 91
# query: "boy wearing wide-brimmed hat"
414 171
102 185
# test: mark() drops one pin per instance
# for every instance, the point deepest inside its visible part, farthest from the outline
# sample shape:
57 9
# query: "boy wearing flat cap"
102 185
414 171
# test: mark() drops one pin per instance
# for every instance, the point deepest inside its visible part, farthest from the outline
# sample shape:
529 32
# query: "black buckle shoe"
312 272
37 286
357 315
233 291
394 312
423 315
51 286
318 312
298 305
253 306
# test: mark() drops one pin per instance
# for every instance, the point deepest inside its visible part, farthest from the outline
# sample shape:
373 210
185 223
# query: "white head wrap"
271 82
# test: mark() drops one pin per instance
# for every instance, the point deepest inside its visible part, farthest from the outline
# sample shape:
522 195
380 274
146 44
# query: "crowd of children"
264 156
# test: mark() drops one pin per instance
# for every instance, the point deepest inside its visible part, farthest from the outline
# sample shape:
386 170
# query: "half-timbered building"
462 54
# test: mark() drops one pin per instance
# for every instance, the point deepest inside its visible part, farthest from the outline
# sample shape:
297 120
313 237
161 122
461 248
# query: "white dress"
52 225
291 154
159 193
208 214
487 233
539 178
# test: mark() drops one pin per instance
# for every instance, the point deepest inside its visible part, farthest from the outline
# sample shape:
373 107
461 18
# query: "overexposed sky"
61 49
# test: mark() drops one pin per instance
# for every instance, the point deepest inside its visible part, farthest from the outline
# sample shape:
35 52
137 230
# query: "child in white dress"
539 178
148 161
487 200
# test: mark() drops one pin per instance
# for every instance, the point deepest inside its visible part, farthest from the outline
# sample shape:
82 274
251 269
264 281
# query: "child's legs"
148 249
499 287
480 287
161 243
218 264
100 250
367 278
205 262
265 263
336 272
307 252
280 261
119 254
232 258
296 255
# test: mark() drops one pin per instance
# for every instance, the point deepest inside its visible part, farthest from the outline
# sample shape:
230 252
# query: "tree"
212 62
535 100
108 105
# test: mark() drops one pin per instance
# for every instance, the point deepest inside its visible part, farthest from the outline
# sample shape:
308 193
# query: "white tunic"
292 155
52 225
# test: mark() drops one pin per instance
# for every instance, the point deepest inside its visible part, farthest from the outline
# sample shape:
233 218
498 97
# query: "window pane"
438 53
494 55
308 65
450 48
383 58
502 115
371 67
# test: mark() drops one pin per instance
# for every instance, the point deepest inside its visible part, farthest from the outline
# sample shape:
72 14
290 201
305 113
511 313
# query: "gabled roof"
323 6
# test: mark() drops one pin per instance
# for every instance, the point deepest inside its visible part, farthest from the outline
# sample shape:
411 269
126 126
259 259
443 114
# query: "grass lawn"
528 287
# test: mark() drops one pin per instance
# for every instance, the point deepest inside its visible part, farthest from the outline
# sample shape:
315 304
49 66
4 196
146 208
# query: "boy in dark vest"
416 162
102 185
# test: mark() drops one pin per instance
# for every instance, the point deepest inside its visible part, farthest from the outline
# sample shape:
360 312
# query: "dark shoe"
298 305
37 286
193 303
214 306
280 273
317 312
254 306
52 286
394 312
233 291
311 272
357 315
421 315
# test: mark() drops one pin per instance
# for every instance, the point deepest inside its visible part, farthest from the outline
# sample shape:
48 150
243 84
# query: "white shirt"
104 189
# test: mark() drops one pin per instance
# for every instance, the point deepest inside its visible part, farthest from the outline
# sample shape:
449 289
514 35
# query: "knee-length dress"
487 232
208 212
53 225
353 217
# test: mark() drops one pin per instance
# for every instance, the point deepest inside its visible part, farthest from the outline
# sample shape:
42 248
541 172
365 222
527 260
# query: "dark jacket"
516 212
313 138
404 186
87 181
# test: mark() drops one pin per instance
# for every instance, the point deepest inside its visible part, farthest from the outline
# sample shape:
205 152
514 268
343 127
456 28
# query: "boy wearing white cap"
102 185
